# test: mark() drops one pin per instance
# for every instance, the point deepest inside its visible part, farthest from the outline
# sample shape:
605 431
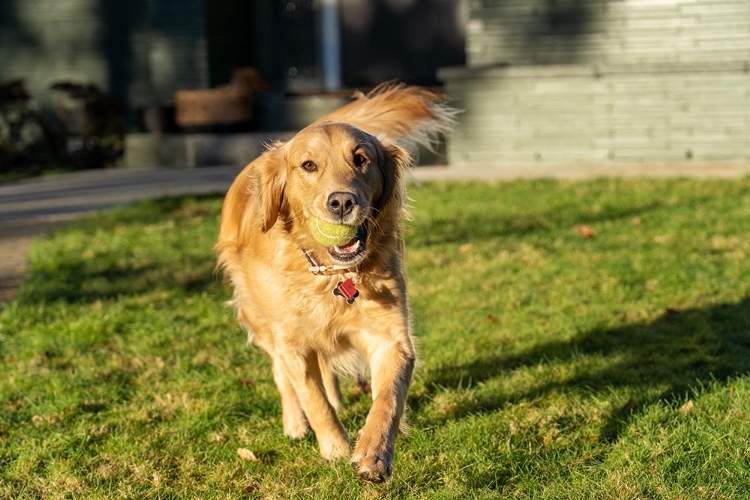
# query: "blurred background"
93 83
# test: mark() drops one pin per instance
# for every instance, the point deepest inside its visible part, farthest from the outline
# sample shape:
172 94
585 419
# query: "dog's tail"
407 115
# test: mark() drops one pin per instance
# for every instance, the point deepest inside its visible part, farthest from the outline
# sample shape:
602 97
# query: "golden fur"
345 168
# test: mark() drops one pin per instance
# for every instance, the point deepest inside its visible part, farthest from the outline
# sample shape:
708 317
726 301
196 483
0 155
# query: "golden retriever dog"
318 311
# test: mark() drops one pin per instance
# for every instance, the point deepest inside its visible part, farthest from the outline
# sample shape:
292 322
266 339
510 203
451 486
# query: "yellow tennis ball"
330 235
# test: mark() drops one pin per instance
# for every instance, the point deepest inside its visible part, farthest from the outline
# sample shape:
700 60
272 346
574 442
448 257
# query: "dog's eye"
359 160
309 166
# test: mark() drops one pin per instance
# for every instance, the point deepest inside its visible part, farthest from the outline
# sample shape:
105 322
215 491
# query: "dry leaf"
217 437
687 408
466 247
245 382
363 384
492 318
585 231
246 454
636 221
629 405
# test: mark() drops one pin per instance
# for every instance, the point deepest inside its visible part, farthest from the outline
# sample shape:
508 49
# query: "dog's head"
330 170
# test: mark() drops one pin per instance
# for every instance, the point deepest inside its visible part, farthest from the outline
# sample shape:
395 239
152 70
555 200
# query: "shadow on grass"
77 282
680 351
111 274
483 226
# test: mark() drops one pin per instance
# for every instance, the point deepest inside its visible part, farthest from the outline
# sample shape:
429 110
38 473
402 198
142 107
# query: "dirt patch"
15 239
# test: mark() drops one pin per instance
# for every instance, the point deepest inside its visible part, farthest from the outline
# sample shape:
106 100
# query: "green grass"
552 365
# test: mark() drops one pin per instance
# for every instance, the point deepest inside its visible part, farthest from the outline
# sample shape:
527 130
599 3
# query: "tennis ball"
330 235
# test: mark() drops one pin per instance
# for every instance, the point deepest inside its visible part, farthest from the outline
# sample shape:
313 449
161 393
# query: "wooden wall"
603 81
171 50
143 50
405 40
607 31
521 115
47 40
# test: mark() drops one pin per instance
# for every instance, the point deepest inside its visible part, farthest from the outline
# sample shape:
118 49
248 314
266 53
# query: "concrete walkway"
33 207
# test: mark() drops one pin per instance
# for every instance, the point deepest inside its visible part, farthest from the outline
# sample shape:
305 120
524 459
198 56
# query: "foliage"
27 140
100 122
32 142
555 362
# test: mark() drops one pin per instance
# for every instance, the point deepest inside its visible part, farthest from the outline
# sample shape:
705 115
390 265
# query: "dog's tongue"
350 247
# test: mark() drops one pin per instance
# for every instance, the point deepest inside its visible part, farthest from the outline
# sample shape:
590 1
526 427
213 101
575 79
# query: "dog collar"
347 288
321 270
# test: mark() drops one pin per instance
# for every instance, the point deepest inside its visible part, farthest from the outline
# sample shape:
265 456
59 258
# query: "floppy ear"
254 200
268 195
394 161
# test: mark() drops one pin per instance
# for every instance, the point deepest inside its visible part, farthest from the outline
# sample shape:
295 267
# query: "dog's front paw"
296 429
295 425
334 448
372 467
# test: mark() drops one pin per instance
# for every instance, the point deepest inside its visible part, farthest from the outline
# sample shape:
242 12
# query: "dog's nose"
341 203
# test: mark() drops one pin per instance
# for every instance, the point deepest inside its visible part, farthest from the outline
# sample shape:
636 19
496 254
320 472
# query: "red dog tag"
347 290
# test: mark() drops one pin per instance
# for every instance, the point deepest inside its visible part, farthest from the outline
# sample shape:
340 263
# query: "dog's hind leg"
330 383
303 371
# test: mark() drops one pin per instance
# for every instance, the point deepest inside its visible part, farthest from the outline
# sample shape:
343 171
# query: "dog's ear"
394 161
268 195
254 200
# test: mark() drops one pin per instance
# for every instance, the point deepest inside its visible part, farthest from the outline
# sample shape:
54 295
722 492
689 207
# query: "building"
541 82
603 82
146 50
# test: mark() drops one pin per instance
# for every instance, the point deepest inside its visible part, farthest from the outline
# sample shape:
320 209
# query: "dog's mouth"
353 251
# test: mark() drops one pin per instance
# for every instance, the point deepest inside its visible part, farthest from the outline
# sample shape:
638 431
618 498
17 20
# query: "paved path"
32 207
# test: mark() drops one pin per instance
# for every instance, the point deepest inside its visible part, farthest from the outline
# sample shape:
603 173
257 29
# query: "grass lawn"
553 365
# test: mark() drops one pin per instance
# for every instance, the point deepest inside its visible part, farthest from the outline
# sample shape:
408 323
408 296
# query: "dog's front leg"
392 367
292 415
304 373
